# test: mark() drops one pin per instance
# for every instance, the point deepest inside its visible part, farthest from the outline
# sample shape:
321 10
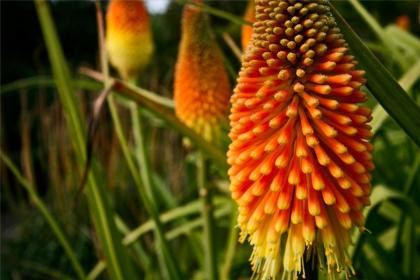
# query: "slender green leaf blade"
47 215
382 84
379 115
116 255
169 117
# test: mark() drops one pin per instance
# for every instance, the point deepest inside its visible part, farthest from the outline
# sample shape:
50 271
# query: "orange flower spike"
128 37
246 29
201 89
300 157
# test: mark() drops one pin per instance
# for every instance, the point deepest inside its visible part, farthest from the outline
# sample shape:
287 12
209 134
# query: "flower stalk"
207 213
129 46
201 95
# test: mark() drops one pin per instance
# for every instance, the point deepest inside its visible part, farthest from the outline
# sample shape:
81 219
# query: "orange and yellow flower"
246 29
299 157
128 37
201 87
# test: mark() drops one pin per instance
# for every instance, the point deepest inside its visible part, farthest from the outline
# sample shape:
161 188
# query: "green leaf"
381 260
396 55
159 106
408 242
402 39
216 12
46 81
110 241
186 228
167 115
176 213
379 115
382 84
54 225
41 268
179 212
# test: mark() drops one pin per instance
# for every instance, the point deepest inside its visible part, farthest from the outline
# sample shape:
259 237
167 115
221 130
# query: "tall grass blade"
381 260
147 100
143 183
403 38
180 212
164 250
382 84
379 115
45 81
378 30
216 12
47 215
110 241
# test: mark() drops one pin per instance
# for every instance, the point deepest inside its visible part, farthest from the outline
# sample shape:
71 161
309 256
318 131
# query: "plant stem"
405 232
145 172
143 183
144 259
149 101
112 249
207 213
231 244
216 12
47 215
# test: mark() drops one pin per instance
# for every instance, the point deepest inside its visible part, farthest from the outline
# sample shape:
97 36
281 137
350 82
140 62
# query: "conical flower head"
128 37
300 157
202 87
246 29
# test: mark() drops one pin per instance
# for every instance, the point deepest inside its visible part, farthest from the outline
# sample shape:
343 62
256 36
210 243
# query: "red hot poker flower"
128 37
299 156
201 87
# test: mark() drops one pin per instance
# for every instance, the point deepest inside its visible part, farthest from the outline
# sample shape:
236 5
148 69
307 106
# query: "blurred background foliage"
35 136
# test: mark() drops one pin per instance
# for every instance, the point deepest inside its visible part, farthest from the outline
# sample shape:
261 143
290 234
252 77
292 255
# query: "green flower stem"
142 190
47 215
231 244
406 228
207 213
143 183
166 253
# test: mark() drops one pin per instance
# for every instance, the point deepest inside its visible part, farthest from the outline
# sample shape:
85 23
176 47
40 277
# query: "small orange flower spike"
128 37
201 87
403 22
246 29
299 157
